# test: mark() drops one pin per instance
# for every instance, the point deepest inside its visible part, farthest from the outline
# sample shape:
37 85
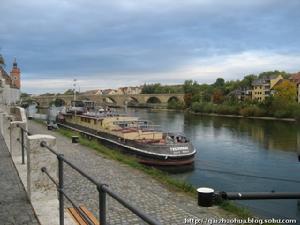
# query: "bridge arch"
109 100
131 101
29 102
153 100
173 99
58 102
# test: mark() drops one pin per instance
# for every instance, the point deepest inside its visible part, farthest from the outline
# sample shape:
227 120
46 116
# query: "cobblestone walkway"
135 186
15 208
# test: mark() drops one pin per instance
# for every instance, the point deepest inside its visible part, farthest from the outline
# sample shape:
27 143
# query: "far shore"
229 116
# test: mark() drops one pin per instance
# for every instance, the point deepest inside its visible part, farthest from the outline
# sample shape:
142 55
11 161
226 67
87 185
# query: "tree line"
216 98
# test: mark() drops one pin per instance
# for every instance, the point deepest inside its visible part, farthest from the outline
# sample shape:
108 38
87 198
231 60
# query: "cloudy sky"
129 42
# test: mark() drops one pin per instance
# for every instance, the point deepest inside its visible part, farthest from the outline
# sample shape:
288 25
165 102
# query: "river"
240 155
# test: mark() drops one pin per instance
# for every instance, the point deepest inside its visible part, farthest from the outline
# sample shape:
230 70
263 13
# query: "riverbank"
165 202
243 117
225 115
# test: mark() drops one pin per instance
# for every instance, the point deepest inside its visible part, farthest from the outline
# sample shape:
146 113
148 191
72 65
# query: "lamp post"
74 85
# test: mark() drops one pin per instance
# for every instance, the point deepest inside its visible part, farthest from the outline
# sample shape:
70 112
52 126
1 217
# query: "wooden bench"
77 217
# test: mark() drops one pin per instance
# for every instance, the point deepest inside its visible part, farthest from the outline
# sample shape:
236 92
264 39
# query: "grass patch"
236 210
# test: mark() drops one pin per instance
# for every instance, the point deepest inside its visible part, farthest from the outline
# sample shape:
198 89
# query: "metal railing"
207 197
103 189
22 141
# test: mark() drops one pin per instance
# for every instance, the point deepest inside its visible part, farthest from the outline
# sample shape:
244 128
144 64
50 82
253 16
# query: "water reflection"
240 155
271 135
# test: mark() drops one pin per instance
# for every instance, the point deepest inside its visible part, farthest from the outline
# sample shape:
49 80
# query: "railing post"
6 129
15 140
61 188
22 146
102 205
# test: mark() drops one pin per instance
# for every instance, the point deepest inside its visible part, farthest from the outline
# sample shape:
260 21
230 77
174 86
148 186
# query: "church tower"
15 76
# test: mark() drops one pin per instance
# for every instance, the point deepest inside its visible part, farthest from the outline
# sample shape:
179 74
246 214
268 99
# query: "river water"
240 155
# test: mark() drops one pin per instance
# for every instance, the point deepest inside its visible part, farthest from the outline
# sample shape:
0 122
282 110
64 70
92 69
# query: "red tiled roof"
295 77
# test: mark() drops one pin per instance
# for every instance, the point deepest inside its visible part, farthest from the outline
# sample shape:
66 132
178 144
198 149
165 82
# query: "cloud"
202 70
128 39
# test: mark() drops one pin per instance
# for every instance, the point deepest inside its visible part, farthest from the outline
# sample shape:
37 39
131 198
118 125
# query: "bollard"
49 127
75 139
205 196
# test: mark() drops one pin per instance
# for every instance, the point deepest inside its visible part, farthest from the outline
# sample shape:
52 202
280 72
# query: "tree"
247 81
217 96
231 85
24 95
69 92
285 92
157 88
219 82
57 102
284 74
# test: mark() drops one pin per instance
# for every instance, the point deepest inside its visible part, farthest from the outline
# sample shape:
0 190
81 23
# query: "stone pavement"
15 208
138 188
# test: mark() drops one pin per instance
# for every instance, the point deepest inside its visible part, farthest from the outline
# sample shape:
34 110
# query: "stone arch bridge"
112 100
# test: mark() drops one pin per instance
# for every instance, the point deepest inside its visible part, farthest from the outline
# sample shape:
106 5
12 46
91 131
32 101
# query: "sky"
108 44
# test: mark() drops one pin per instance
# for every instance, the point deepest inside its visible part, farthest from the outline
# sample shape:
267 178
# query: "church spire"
2 62
15 75
15 65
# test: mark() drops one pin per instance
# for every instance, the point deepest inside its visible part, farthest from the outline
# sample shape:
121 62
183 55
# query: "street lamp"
74 85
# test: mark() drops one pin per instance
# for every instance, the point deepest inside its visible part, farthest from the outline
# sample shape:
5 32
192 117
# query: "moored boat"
151 146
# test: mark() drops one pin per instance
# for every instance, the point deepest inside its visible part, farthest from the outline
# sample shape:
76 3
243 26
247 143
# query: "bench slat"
77 217
90 215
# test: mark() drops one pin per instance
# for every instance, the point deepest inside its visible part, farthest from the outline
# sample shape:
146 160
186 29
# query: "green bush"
173 104
296 113
252 110
209 108
227 110
281 113
197 107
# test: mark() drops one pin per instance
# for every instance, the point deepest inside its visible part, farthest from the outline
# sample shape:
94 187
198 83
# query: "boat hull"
171 163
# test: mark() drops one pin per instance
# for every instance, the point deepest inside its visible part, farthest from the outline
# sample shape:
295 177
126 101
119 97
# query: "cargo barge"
130 135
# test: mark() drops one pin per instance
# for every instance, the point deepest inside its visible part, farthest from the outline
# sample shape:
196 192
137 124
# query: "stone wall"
29 160
8 95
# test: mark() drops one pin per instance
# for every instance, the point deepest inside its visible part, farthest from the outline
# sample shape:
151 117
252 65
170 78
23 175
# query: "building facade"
261 88
10 84
296 79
